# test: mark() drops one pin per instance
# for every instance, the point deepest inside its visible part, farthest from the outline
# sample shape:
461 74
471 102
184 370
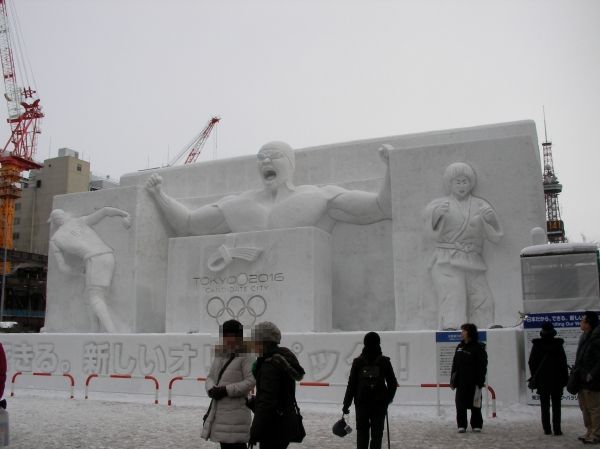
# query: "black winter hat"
232 327
372 339
547 330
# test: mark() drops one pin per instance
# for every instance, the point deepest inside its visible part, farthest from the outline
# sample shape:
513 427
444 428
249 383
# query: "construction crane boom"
24 116
194 148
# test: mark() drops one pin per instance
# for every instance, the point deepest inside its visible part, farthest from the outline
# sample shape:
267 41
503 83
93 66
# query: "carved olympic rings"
235 308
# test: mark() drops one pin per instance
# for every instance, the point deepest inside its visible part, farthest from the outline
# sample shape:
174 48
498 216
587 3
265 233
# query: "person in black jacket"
587 367
549 369
372 385
276 371
469 368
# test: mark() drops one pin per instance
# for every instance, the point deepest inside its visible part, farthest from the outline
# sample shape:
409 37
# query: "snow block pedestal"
281 275
326 357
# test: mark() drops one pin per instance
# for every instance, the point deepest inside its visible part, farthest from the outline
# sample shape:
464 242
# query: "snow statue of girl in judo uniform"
458 223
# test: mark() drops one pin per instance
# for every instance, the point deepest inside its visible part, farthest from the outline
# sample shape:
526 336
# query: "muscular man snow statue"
279 204
75 237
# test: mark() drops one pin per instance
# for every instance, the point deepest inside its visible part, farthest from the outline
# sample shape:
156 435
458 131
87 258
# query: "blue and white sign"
446 342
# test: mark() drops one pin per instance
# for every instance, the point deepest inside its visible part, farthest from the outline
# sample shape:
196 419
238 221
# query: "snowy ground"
38 422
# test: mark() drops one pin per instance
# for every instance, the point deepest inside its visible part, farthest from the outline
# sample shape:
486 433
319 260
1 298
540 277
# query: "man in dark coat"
276 371
548 366
469 368
587 364
372 384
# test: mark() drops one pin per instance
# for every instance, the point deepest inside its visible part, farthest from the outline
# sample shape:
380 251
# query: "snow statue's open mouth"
269 174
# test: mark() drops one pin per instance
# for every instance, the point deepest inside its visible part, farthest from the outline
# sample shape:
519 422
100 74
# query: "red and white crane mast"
24 116
194 148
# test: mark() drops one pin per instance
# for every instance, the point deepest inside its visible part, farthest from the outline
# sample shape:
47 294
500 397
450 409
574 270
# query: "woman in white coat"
228 383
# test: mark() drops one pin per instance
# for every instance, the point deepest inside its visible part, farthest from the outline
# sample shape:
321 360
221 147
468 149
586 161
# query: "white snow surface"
47 422
559 248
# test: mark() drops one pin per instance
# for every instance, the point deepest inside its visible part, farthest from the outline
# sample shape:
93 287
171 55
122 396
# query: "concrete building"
63 174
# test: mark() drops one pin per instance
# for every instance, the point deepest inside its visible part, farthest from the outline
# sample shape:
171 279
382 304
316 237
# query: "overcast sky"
128 83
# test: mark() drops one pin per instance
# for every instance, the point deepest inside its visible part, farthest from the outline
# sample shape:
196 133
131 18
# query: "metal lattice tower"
24 116
555 228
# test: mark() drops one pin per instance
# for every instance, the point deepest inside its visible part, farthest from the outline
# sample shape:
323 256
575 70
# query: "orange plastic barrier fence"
491 391
20 373
123 376
175 379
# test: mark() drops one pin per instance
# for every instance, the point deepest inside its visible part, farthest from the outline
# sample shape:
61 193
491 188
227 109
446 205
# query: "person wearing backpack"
372 385
469 368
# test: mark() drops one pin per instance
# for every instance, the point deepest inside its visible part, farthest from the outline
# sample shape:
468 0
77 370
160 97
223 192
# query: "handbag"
296 431
574 381
231 357
292 425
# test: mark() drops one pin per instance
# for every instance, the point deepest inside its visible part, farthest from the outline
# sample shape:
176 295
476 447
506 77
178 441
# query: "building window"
17 206
15 236
17 220
38 183
78 167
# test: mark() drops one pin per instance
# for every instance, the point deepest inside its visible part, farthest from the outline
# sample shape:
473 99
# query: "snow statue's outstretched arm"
204 220
358 207
100 214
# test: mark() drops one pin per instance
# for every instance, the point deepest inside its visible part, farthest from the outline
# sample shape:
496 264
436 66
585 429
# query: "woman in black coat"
548 366
469 368
372 384
276 372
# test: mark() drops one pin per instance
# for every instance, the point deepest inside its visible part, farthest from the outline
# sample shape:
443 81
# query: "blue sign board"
454 336
558 319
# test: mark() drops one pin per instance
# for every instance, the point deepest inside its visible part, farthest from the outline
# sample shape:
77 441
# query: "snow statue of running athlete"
75 236
458 224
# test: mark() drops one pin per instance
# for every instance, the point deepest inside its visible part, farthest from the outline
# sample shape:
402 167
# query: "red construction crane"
24 116
194 148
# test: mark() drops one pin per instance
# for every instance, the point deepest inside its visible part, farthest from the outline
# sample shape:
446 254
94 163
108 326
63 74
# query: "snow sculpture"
74 236
459 223
279 204
280 213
